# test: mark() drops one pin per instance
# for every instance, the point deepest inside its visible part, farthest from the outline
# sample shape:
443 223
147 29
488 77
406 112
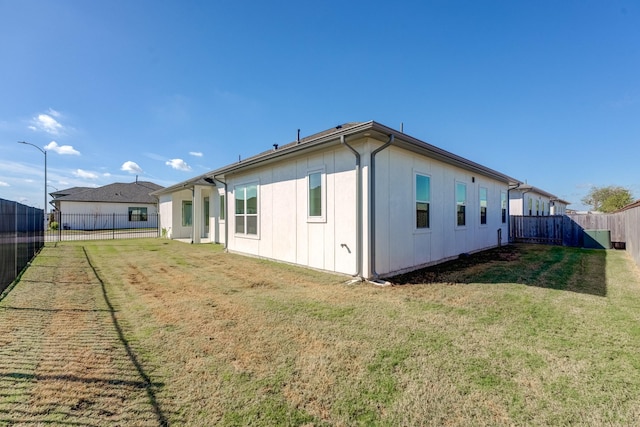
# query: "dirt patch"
449 272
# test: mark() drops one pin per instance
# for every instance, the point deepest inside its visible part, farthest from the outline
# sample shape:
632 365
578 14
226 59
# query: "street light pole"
44 207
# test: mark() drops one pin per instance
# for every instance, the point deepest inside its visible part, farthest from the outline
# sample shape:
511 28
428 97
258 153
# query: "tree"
608 199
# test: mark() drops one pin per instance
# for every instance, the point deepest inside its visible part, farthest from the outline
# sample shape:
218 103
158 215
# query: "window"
530 205
314 183
222 207
537 207
461 203
423 197
483 205
247 209
206 211
187 213
137 214
503 205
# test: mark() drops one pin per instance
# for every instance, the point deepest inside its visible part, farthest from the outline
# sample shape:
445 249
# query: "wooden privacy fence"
567 230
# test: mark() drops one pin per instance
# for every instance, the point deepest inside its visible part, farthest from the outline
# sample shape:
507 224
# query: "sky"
545 91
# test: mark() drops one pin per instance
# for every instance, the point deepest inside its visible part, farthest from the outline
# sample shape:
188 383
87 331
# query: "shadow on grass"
146 380
553 267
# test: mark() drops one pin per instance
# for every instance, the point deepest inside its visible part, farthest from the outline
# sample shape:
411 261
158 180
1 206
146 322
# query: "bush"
54 225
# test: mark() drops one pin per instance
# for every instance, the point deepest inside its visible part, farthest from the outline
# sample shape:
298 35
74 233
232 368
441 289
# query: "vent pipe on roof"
275 147
298 140
402 127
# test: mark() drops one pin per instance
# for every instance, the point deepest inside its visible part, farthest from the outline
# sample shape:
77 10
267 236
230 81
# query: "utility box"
597 239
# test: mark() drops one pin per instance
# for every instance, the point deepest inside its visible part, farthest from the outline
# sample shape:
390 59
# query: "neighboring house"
360 199
88 208
528 200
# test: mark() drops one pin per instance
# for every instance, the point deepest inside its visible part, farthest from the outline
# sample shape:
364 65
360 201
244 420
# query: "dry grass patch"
189 335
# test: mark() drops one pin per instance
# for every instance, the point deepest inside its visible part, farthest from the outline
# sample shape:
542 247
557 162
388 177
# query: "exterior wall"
101 211
519 203
166 215
218 219
285 231
558 208
180 231
400 245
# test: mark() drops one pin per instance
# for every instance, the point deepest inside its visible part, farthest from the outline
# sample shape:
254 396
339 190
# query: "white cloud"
178 164
106 174
61 149
85 174
195 153
46 123
131 167
4 184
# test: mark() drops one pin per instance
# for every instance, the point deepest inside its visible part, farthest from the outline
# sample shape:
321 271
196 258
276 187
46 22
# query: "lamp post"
44 207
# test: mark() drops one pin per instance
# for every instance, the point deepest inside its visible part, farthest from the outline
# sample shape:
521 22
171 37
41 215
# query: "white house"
119 205
360 199
528 200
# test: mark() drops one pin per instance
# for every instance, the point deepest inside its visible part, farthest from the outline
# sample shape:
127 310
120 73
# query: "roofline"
182 185
402 140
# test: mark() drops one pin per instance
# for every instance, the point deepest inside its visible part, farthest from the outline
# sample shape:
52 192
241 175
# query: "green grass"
522 335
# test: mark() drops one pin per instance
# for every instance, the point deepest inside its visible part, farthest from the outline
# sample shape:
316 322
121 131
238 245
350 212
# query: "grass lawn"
157 332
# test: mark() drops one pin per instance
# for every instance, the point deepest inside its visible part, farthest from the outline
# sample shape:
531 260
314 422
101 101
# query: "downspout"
193 216
359 221
226 217
372 225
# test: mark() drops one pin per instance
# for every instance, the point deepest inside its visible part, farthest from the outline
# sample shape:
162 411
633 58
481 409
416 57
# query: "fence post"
113 226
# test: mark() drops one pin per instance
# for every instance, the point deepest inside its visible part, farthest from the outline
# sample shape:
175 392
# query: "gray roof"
333 136
132 192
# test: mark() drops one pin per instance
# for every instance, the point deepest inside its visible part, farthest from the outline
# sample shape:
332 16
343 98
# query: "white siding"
285 232
400 245
166 216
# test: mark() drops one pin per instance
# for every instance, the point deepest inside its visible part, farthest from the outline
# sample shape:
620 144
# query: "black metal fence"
99 226
21 237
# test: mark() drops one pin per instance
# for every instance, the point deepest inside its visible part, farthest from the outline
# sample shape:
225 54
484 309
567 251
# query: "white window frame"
323 195
245 215
486 201
465 204
222 207
426 229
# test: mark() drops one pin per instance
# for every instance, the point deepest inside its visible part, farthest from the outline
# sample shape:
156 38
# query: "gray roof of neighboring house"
370 129
132 192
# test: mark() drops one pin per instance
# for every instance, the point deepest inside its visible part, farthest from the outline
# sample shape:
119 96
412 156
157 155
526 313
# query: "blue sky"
547 92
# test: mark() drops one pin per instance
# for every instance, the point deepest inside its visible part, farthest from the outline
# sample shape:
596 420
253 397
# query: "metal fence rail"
98 226
21 237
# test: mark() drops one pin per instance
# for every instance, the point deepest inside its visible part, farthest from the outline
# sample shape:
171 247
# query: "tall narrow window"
423 198
222 207
206 211
483 205
247 209
315 194
503 206
461 203
187 213
530 205
537 207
